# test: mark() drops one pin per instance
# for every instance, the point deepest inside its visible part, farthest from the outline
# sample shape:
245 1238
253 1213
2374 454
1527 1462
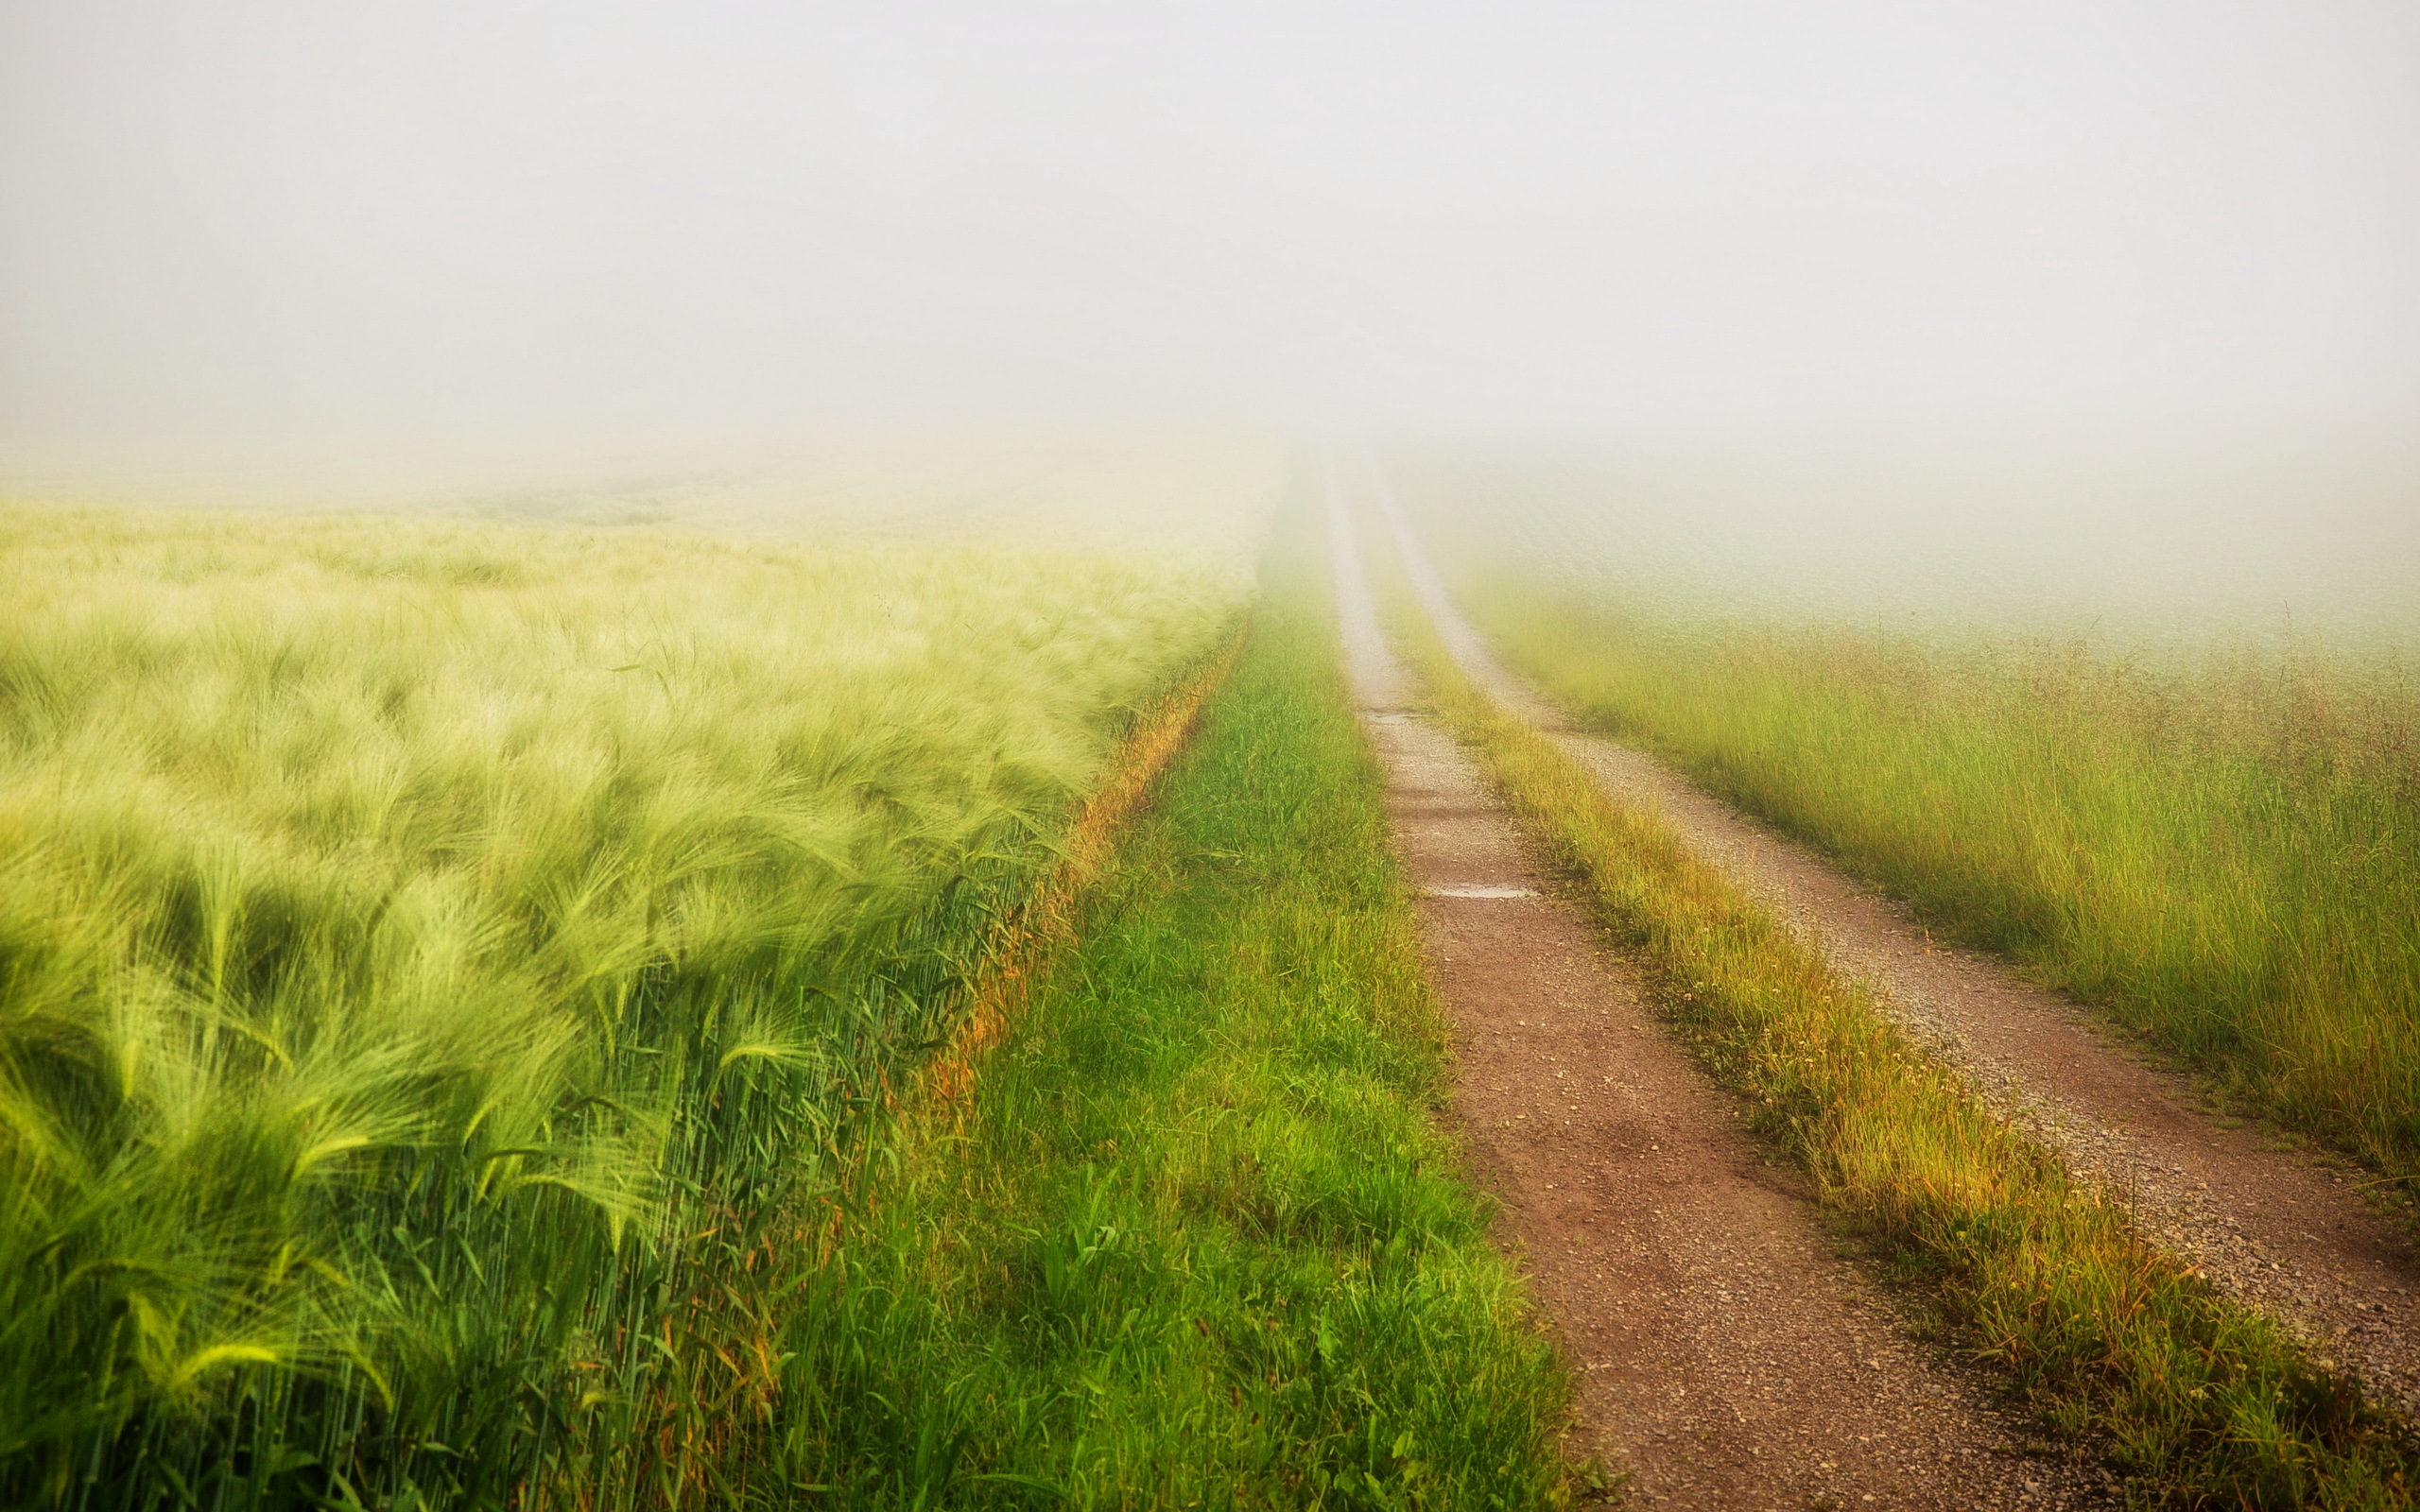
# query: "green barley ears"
442 967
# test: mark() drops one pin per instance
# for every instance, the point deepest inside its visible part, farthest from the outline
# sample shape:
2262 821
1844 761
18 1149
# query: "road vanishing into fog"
1727 1354
2271 1224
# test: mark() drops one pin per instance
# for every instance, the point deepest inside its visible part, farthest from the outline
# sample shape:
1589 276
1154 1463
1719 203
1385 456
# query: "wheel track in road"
1727 1354
2275 1227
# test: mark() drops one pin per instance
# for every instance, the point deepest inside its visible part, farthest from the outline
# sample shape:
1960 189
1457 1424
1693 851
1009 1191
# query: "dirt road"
2271 1226
1729 1356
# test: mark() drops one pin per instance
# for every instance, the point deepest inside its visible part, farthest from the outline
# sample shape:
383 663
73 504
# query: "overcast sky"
265 219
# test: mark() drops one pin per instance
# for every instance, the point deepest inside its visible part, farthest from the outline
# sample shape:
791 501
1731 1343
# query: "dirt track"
1729 1356
2271 1224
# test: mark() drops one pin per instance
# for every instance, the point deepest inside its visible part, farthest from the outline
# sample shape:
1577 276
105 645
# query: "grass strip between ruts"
2199 1401
1187 1235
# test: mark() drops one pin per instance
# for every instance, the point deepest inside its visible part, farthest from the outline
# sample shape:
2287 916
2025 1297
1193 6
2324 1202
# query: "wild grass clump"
1188 1236
2219 849
436 961
2204 1402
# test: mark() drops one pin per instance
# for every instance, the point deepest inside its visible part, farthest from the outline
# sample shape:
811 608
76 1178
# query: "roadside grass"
2218 850
2036 1274
439 964
1189 1235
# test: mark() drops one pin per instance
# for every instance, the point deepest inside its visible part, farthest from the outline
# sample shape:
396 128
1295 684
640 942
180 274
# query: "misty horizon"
276 230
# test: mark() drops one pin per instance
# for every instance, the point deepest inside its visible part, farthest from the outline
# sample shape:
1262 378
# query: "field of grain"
903 994
451 968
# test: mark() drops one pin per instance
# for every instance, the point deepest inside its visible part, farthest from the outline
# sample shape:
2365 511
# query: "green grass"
2217 847
2035 1273
1193 1239
440 963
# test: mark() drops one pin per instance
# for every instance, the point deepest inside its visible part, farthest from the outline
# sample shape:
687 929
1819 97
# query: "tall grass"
2108 1337
1188 1238
434 960
2218 844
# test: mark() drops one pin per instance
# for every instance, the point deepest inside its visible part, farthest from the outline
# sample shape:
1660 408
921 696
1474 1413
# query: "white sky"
361 221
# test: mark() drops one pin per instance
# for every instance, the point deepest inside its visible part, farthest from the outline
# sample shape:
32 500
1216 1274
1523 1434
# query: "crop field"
453 970
927 997
983 758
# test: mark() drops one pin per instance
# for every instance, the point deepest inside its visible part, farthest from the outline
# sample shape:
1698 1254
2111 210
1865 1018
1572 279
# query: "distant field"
2207 823
1201 492
446 963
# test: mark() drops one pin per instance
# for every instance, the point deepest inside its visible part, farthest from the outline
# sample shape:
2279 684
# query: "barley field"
905 997
450 967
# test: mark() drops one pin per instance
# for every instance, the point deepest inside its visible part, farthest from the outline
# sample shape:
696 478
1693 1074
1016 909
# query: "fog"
2143 537
277 235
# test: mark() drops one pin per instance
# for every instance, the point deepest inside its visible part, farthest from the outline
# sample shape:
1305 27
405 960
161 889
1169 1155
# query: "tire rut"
1728 1355
2273 1226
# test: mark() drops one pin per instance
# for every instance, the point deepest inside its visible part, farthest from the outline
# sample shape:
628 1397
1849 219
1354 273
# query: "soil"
1729 1354
2275 1224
